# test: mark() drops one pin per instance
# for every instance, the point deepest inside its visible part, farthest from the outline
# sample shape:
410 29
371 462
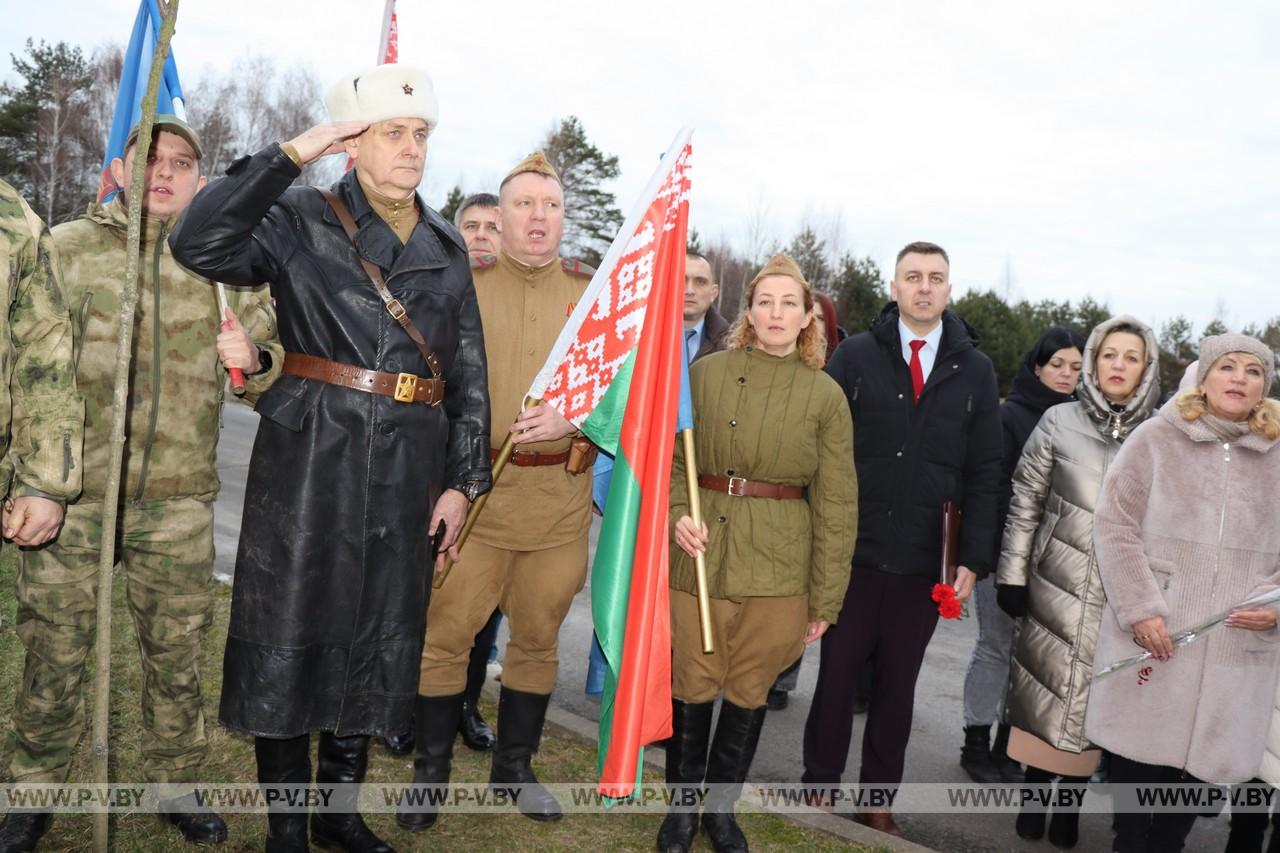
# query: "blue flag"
133 86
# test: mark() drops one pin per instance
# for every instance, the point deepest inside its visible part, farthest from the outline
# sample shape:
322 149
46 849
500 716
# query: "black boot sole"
423 826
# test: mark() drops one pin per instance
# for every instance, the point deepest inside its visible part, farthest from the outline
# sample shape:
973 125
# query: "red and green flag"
616 373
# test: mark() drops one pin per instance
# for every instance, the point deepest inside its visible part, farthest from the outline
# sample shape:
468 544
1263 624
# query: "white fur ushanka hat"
384 92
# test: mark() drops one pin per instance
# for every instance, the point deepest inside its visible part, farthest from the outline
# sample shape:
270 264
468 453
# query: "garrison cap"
172 124
537 163
781 264
384 92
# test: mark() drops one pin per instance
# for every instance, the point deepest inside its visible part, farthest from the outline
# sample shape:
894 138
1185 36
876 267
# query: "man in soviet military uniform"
528 550
165 535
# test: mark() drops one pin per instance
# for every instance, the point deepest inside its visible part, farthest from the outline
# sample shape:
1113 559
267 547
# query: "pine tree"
451 203
592 217
43 152
859 293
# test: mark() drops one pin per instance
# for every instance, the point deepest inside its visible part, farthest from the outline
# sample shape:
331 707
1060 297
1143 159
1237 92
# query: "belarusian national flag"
389 40
615 372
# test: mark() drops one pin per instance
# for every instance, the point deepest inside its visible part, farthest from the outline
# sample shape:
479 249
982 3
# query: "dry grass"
231 760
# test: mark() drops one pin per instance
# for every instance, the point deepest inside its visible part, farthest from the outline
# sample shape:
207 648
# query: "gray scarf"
1224 429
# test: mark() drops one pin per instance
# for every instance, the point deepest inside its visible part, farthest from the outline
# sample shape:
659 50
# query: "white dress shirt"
928 352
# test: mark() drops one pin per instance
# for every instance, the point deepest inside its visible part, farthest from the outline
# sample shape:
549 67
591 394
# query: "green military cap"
781 264
537 163
172 124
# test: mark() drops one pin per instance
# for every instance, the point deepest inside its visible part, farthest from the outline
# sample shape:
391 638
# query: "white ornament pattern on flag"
612 327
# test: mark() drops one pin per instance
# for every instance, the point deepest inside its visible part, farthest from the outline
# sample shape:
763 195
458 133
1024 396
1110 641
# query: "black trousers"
1149 832
886 621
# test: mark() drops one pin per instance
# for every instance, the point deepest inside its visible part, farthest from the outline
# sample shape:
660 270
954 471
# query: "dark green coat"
778 421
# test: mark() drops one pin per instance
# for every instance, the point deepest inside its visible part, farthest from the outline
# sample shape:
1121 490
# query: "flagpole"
700 562
111 498
477 506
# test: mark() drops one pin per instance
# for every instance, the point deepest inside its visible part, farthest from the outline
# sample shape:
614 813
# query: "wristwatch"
471 489
264 361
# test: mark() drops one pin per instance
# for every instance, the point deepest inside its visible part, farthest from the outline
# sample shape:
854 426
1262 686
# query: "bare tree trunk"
128 306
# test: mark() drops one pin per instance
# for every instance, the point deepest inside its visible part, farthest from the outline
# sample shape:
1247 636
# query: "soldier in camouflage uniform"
41 418
165 534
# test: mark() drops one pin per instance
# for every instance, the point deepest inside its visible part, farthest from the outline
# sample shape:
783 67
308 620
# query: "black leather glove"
1012 599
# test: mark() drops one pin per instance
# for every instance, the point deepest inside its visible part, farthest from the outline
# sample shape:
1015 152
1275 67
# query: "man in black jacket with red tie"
926 431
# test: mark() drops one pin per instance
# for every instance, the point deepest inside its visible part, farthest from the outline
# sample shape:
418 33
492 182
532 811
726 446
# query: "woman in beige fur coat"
1185 528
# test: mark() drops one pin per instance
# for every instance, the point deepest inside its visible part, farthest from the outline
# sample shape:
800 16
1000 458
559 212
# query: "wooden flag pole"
477 506
700 563
100 737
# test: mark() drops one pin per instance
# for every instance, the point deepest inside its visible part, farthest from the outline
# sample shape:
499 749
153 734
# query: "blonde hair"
1265 417
812 342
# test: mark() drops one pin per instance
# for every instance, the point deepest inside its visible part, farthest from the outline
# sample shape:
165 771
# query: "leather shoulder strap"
394 308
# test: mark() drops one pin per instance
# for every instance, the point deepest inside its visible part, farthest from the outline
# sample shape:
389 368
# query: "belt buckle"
406 387
738 486
396 310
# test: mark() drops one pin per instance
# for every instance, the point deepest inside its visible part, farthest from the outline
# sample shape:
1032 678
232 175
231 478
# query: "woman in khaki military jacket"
1048 574
779 493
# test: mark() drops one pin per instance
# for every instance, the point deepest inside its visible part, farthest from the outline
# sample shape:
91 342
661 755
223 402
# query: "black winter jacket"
911 458
332 574
1028 399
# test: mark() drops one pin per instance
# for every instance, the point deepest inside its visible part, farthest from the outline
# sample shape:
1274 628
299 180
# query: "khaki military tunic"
523 309
528 550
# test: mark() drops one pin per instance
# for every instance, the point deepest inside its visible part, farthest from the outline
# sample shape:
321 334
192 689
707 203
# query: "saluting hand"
325 139
691 538
236 348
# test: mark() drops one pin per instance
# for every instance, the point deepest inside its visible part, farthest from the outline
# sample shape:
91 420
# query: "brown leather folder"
950 543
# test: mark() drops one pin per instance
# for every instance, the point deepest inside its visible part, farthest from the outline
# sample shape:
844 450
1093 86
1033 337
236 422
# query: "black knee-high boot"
343 760
476 733
285 761
435 720
686 767
734 746
1064 826
1030 822
520 718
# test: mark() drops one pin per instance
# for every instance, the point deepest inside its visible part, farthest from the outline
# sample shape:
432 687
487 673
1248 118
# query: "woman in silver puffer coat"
1048 575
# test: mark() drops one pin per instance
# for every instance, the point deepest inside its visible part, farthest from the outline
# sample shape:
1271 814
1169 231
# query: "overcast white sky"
1122 150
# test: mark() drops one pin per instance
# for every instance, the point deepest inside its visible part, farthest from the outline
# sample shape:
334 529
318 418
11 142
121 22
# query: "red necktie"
917 372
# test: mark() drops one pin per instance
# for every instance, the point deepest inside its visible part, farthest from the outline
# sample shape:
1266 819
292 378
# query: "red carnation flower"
948 606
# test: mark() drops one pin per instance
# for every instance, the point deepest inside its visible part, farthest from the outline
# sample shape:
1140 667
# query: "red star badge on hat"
408 90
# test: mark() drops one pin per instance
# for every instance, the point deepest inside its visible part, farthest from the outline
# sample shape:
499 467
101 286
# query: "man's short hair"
692 254
473 200
920 247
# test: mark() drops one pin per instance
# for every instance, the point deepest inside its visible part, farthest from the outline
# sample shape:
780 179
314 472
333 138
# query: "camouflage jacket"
176 382
41 417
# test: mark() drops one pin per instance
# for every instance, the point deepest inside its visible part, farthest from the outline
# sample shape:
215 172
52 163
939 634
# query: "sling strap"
394 308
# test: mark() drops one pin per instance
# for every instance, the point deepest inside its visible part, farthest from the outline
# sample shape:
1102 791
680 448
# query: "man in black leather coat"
356 459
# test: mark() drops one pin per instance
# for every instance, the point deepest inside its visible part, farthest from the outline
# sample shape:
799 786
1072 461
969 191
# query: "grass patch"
231 760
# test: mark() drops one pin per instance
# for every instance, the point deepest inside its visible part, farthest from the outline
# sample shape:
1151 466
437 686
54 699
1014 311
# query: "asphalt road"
936 729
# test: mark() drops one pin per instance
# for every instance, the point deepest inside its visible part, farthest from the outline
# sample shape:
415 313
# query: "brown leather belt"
742 488
532 458
405 387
